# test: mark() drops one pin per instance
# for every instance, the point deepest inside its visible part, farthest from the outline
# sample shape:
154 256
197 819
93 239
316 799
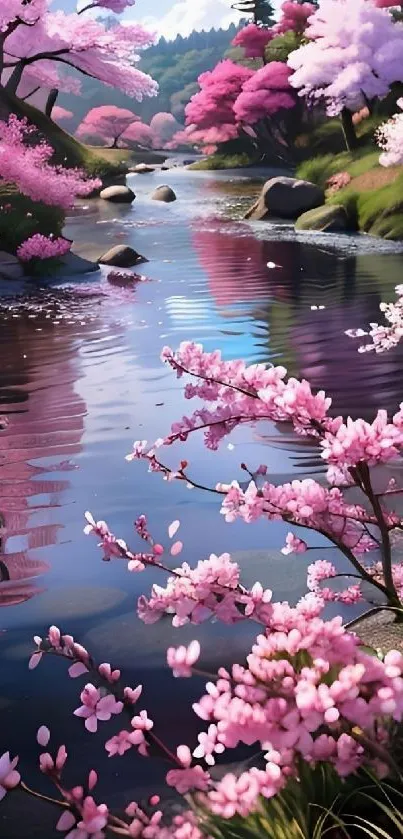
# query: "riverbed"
81 378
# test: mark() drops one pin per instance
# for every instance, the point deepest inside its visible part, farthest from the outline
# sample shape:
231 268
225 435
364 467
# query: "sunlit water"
80 379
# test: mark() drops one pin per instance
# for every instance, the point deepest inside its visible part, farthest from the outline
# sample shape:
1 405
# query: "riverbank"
372 196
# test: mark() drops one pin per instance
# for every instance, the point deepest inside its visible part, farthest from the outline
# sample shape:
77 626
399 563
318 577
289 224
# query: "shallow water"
80 379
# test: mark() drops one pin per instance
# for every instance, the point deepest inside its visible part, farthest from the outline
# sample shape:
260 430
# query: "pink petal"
77 669
66 821
173 528
176 548
92 779
43 736
34 660
91 724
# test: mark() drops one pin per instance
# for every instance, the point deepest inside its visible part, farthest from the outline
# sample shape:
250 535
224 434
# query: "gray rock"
331 218
118 194
10 267
164 193
286 198
142 169
71 263
122 256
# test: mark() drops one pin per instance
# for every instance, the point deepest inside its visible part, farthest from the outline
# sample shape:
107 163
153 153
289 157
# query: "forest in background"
175 65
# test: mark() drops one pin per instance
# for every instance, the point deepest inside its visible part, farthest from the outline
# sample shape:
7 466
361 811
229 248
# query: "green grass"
378 210
21 218
223 161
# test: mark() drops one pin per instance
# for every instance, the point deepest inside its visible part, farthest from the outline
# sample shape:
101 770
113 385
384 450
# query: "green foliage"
21 218
319 169
319 804
180 99
223 161
279 48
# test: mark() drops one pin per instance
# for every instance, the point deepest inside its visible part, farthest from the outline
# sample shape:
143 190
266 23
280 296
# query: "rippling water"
80 379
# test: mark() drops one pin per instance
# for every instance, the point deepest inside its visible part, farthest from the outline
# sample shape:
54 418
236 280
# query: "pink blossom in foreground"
182 659
9 777
96 707
294 545
42 247
94 817
188 778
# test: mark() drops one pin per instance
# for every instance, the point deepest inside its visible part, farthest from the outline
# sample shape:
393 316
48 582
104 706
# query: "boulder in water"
118 194
331 218
122 256
142 169
10 267
164 193
286 198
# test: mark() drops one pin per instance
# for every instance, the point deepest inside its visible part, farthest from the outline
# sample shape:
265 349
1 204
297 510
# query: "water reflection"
81 378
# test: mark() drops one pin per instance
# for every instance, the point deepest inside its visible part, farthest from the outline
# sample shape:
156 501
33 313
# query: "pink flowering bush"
42 247
337 182
28 166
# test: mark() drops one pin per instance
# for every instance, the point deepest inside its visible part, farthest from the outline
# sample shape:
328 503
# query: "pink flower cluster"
285 701
295 17
337 182
197 594
266 93
42 247
390 139
384 337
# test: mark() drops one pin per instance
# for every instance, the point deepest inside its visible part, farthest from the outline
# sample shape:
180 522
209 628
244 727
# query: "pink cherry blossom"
182 659
294 545
9 777
96 707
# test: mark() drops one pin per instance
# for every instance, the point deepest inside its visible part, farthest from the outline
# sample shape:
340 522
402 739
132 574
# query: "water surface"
80 379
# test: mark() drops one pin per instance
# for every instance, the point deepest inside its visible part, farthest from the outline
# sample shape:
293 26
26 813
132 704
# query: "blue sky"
168 17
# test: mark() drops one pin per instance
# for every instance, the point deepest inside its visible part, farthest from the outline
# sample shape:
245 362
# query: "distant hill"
175 65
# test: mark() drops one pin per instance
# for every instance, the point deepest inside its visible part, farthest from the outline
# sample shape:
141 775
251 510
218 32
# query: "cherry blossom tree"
294 17
61 114
354 55
139 134
107 123
253 39
27 165
267 94
210 117
390 139
164 126
34 37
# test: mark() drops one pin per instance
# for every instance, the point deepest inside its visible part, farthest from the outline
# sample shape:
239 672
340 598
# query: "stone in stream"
118 194
10 267
142 169
331 218
164 193
286 198
71 263
122 256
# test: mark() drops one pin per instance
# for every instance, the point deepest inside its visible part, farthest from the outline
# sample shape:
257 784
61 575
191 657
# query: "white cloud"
183 17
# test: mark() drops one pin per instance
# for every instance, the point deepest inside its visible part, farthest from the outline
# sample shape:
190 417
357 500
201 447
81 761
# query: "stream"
81 379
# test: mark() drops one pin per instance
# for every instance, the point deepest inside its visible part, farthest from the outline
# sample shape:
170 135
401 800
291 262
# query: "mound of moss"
374 194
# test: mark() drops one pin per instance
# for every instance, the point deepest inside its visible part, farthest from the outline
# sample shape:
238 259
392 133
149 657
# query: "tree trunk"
348 129
15 78
115 143
51 101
